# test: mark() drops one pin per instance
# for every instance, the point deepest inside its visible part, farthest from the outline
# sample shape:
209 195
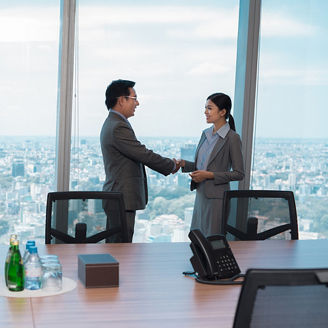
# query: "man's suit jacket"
225 155
124 159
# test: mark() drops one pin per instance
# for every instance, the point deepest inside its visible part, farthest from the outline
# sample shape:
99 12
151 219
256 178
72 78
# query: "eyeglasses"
135 98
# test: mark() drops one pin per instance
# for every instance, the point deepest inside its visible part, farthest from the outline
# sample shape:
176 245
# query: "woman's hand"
182 162
200 175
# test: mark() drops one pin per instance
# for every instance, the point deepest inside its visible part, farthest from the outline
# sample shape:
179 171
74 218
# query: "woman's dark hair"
223 101
117 89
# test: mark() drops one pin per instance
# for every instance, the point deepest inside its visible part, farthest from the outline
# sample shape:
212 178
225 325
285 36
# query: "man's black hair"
117 89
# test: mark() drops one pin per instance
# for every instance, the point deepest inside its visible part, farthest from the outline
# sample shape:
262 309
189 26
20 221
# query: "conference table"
152 290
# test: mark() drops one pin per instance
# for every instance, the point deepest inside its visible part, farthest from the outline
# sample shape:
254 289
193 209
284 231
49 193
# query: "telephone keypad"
226 265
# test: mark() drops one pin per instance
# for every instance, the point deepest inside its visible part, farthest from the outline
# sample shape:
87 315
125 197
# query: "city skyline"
277 164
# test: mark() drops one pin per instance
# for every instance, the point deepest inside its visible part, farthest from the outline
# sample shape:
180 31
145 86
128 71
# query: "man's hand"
200 175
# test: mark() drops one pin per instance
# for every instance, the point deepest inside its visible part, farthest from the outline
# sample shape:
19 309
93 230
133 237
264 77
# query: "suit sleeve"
189 167
127 143
237 163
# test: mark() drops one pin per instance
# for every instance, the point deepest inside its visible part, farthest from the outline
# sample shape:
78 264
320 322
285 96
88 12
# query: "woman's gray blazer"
226 162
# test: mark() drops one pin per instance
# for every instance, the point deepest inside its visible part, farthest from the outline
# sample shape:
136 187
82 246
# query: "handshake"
178 163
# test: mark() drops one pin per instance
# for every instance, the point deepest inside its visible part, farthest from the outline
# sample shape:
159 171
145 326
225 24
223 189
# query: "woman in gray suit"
218 161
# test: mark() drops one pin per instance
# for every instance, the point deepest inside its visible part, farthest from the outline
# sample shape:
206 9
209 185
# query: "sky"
178 52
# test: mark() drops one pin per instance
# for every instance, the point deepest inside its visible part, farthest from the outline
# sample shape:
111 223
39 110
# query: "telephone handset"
212 259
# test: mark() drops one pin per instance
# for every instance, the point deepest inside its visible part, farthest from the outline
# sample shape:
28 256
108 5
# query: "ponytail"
223 101
232 122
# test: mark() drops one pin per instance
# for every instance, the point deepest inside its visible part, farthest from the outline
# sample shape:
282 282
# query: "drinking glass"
51 276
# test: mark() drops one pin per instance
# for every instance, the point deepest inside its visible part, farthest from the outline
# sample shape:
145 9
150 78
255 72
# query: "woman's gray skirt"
207 214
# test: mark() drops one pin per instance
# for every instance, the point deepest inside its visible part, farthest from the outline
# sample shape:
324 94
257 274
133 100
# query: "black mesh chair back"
79 217
273 298
259 215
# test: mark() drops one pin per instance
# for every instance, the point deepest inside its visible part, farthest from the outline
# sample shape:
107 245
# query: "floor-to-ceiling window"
291 138
29 38
178 52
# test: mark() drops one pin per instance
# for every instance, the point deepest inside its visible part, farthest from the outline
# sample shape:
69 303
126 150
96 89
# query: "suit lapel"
218 146
201 141
193 184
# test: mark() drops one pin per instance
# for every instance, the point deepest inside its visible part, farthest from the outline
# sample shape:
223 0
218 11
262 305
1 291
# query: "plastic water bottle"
29 243
33 270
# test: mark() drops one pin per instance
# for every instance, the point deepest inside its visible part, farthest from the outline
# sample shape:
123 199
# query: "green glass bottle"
13 237
15 269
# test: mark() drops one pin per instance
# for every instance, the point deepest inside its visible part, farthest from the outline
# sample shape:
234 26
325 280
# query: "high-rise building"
95 206
18 169
188 215
183 180
188 152
292 181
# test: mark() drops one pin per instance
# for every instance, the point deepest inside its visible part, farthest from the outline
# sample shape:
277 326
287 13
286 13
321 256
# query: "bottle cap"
13 237
30 243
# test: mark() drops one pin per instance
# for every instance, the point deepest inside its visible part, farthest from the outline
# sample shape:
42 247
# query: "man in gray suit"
124 156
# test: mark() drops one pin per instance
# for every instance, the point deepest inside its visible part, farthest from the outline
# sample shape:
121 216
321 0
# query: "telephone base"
227 281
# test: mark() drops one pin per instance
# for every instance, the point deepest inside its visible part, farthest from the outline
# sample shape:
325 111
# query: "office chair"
272 298
259 214
79 217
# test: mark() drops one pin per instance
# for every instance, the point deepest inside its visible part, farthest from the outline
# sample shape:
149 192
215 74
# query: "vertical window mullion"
246 78
65 92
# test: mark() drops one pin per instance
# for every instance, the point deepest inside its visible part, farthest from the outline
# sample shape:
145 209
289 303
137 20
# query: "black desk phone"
212 259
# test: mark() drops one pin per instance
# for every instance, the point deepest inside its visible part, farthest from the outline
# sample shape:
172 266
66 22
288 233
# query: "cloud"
166 49
208 68
28 24
32 23
294 76
113 15
190 21
187 22
276 24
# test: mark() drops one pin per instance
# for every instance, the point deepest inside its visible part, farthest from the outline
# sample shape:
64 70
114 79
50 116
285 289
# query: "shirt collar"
119 114
223 131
